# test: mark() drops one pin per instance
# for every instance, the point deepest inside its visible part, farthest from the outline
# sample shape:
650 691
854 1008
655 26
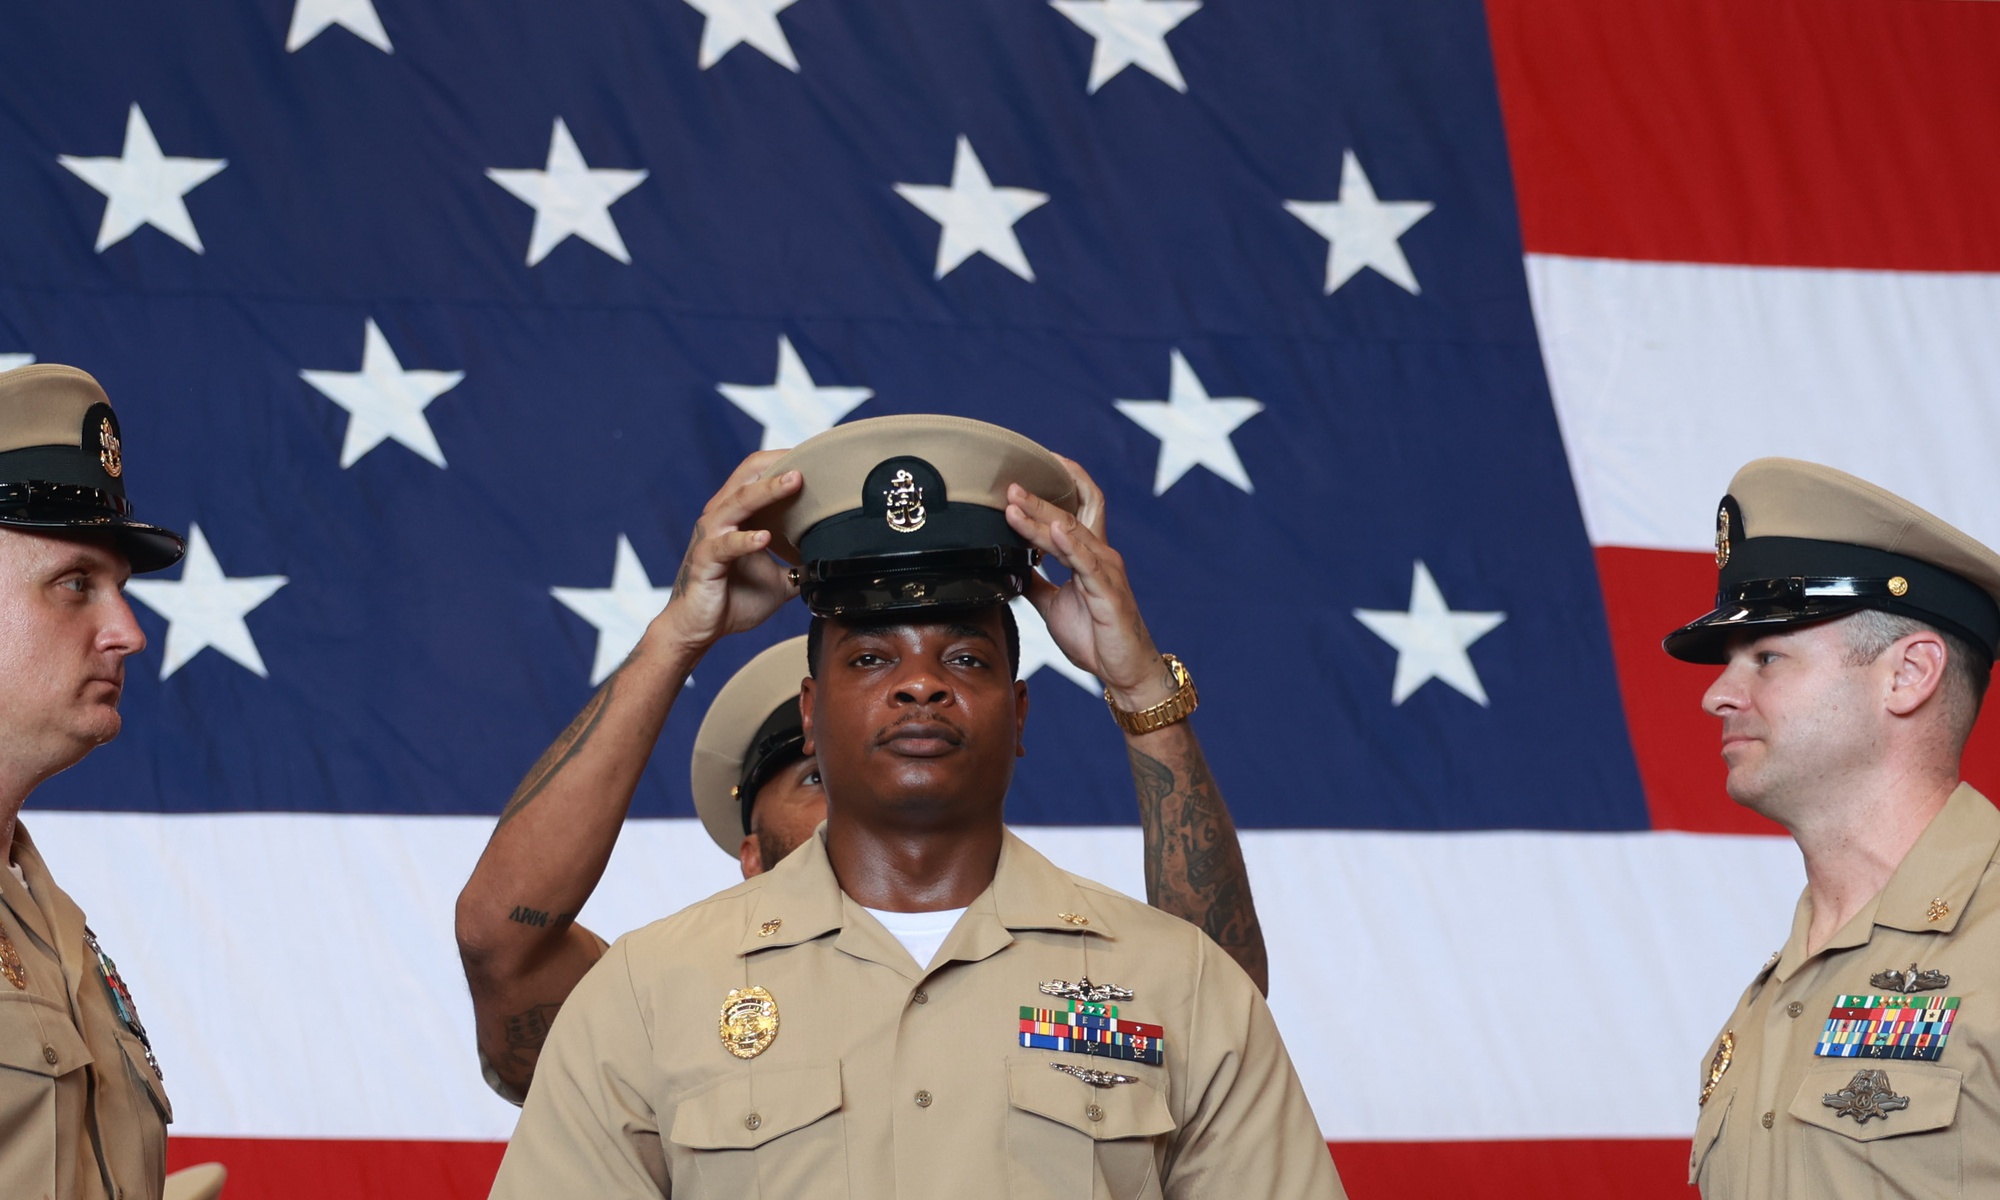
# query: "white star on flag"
310 18
143 186
206 608
1039 649
383 400
976 217
1430 639
1130 33
1362 231
731 23
793 408
9 361
570 197
620 612
1193 427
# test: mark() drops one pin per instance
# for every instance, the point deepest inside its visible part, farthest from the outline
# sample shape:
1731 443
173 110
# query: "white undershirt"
921 933
16 868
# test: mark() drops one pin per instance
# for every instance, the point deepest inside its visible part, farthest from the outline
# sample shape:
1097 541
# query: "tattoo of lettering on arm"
535 917
1194 865
566 746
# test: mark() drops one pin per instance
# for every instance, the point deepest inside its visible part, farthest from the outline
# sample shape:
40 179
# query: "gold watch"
1174 708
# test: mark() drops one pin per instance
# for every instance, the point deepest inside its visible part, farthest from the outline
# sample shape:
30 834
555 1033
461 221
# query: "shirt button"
923 1099
1794 1009
752 1121
1767 1119
1094 1113
921 998
49 1055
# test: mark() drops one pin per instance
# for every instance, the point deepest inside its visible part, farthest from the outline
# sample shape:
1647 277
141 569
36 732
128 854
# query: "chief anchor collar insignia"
905 502
1086 991
107 449
1866 1095
1910 981
749 1022
1722 537
11 967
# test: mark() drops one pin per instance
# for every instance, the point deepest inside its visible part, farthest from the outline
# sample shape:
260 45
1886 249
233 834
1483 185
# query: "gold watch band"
1177 707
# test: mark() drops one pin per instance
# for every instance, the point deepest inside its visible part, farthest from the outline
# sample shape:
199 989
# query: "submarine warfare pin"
1086 991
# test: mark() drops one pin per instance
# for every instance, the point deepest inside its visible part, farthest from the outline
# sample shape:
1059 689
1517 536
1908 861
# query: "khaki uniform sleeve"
1248 1130
588 1127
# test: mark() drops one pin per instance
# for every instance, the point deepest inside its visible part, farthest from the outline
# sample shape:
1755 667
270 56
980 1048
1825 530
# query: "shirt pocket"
1707 1130
1918 1148
769 1132
1068 1139
38 1046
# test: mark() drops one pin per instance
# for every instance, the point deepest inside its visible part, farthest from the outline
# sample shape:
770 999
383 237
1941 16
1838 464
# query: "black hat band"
968 578
779 743
33 496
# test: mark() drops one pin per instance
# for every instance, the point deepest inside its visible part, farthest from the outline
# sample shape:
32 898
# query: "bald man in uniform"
83 1114
1856 635
758 793
882 1014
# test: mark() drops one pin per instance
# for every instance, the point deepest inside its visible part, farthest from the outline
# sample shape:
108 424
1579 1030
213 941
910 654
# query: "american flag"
1412 345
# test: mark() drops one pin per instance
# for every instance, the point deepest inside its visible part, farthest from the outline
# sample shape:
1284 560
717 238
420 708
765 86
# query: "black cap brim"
1706 639
146 547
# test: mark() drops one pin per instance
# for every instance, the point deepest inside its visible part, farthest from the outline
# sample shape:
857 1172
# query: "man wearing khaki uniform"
83 1115
916 1003
1857 634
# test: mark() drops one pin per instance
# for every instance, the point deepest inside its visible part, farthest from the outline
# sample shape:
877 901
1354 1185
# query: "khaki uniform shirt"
1767 1131
83 1115
887 1080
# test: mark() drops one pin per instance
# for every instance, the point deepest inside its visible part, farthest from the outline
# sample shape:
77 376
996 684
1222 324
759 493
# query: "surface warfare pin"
1086 991
749 1022
1910 981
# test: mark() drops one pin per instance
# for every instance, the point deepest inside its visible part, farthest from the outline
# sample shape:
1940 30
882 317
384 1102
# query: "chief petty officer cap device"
910 512
62 464
730 764
1797 542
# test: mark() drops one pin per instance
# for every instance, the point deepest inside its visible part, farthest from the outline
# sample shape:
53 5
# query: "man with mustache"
915 1003
83 1115
758 793
1856 635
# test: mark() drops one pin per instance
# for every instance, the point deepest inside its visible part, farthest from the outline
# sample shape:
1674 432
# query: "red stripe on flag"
308 1169
1767 132
1646 594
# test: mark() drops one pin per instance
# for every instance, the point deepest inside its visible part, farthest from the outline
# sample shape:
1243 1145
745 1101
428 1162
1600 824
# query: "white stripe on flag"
299 977
1669 376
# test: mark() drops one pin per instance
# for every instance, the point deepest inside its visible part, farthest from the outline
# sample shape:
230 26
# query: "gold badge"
107 449
1724 1051
1721 537
10 962
749 1022
906 503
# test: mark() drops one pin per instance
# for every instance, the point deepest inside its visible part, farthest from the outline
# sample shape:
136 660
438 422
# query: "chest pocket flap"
1125 1110
36 1036
1708 1128
1931 1091
745 1110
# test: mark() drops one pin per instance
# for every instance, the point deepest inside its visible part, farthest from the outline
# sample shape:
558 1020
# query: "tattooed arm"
1194 863
516 920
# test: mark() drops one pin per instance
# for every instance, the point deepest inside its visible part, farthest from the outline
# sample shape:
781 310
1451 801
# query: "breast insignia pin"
1725 1050
749 1022
1092 1076
11 965
1911 981
1086 991
1867 1095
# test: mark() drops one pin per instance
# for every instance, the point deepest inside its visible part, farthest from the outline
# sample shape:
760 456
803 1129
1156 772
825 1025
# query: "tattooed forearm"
687 560
1194 863
526 1031
561 751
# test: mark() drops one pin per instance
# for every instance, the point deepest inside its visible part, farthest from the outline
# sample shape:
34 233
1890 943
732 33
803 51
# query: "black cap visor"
969 578
1760 606
59 508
